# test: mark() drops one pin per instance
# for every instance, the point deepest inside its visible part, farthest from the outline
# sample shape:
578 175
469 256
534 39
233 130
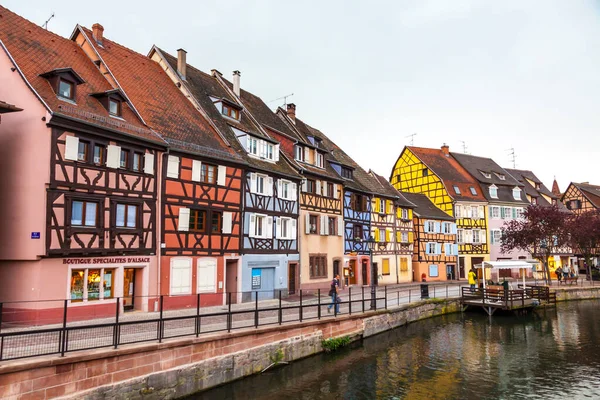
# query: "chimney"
98 33
236 82
291 111
446 150
181 63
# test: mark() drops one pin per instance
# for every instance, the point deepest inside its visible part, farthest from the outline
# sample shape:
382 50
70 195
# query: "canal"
552 354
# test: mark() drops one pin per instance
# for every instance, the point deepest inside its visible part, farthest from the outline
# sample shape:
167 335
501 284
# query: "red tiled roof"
160 102
36 51
450 172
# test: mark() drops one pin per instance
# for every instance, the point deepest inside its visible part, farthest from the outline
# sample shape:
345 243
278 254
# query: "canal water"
551 354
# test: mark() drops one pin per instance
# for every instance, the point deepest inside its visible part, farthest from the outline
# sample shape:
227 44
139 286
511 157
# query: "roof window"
456 189
494 192
486 174
112 100
502 177
64 81
473 191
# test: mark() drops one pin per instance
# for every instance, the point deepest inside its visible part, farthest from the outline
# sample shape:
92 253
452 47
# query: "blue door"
263 282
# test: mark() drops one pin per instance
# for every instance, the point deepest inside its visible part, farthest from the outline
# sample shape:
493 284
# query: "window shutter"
455 248
227 222
438 248
252 232
269 190
196 169
318 183
492 241
453 229
279 191
149 163
438 227
341 226
388 233
268 234
335 191
222 175
207 274
482 236
376 231
322 224
502 212
304 185
184 219
71 148
411 236
276 152
481 210
278 232
113 156
180 276
398 236
253 182
490 211
307 224
446 249
293 228
514 213
410 214
294 191
173 167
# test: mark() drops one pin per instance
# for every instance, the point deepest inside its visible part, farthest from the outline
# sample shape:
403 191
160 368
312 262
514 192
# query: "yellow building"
435 173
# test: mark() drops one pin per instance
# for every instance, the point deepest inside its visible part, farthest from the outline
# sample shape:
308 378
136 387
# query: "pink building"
79 184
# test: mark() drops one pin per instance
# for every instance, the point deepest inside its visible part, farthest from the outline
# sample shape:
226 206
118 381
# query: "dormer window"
534 201
66 89
346 173
64 82
502 177
516 193
456 189
112 100
114 107
473 191
320 160
486 174
230 112
494 192
425 172
537 186
298 153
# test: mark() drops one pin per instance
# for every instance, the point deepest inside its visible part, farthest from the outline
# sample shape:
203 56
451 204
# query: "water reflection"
549 354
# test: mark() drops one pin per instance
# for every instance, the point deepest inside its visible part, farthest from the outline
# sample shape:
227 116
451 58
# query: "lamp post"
371 244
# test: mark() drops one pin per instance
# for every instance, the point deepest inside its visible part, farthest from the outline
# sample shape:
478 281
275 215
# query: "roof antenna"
513 157
284 99
45 26
464 146
412 138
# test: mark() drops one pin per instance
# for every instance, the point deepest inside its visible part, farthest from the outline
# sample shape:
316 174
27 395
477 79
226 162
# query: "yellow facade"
411 175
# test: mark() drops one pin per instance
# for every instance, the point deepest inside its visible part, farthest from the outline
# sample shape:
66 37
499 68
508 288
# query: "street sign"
35 235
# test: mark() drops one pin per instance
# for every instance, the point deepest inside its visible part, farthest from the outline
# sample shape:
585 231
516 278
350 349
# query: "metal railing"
30 329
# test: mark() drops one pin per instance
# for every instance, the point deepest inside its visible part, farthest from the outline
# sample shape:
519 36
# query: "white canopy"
505 265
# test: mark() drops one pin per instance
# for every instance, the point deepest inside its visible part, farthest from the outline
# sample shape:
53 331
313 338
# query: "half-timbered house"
80 182
201 190
269 183
506 201
435 173
435 251
581 197
392 229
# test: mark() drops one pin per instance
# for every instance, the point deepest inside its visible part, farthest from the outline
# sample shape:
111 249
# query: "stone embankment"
177 368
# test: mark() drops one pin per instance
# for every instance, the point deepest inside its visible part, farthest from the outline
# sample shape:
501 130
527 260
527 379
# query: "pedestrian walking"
334 293
472 279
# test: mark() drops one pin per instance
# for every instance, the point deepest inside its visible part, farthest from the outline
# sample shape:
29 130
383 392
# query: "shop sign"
111 260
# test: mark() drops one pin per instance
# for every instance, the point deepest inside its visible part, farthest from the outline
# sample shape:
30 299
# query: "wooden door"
292 278
365 276
232 279
128 289
352 272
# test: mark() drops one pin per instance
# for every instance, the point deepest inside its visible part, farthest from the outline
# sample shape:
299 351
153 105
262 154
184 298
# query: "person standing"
472 279
559 273
334 293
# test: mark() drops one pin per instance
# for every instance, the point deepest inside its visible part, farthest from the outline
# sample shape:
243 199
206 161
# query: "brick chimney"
98 33
181 63
446 150
291 111
236 82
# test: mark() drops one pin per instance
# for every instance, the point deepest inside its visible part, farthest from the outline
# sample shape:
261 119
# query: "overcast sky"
493 75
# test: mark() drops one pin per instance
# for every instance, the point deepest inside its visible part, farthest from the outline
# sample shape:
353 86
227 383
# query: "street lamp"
371 243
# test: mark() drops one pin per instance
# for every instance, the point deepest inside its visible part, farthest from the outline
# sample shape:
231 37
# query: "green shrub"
332 344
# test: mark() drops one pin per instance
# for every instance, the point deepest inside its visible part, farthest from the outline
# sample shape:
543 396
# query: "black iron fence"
30 329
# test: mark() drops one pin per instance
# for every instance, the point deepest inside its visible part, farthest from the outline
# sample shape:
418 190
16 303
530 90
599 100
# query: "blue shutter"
455 249
438 248
438 227
454 230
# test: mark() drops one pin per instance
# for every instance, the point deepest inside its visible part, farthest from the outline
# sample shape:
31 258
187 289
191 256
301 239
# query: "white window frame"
460 236
319 159
478 236
485 174
496 236
404 237
173 260
494 192
456 189
458 211
519 212
298 153
429 226
502 177
474 212
249 146
429 244
516 192
495 214
447 228
507 212
404 213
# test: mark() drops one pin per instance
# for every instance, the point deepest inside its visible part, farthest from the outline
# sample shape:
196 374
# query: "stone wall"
577 293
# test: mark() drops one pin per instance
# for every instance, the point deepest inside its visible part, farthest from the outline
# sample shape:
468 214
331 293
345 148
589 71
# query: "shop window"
92 284
77 276
109 283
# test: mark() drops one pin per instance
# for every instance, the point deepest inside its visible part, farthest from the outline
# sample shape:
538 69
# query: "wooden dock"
494 298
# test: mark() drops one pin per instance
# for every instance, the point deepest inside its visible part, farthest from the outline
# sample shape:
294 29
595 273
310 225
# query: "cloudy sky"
488 76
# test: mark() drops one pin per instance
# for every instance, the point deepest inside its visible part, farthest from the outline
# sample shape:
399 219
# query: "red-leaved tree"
542 232
584 235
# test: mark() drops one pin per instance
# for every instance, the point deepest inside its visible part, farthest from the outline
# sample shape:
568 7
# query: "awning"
506 264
